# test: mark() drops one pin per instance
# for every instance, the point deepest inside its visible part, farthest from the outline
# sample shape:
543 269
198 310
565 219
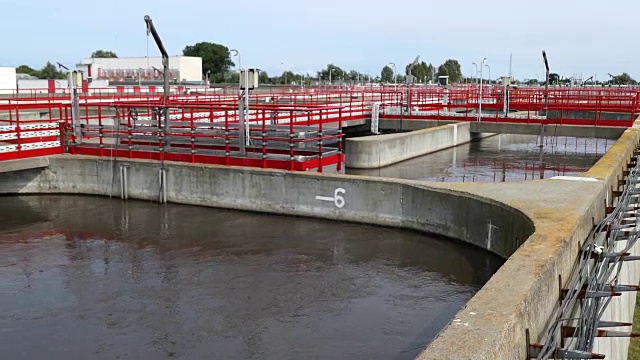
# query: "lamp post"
395 77
284 71
207 78
244 104
395 81
480 99
237 53
489 67
475 72
140 77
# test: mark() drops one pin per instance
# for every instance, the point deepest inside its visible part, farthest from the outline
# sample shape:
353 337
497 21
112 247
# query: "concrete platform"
23 164
601 132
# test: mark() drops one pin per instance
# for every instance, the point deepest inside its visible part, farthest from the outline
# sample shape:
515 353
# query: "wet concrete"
87 277
500 158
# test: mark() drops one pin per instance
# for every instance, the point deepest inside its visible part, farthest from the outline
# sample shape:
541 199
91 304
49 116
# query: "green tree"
336 73
49 71
286 78
386 75
422 71
25 69
554 79
231 77
215 58
263 77
623 79
103 54
452 69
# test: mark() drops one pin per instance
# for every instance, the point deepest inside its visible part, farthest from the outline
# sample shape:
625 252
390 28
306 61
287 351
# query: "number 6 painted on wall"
338 199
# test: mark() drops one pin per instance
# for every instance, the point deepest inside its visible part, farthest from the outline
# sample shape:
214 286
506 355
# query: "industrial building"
181 69
7 80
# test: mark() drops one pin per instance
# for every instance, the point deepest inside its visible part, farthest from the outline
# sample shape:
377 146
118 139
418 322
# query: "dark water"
93 278
500 158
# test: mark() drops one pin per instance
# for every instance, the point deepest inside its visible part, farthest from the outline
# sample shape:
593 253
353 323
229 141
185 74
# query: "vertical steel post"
165 64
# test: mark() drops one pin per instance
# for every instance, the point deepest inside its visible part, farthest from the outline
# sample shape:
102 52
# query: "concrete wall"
574 114
524 293
404 204
382 150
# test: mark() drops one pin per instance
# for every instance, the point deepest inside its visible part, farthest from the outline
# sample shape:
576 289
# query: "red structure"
291 128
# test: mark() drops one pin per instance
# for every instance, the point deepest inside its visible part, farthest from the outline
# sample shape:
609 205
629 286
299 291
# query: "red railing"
205 122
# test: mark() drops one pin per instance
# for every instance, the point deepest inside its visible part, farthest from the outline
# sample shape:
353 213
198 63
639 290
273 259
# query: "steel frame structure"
283 110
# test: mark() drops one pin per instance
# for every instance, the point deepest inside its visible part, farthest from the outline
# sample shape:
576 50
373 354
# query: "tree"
103 54
623 79
422 71
231 77
336 73
386 75
287 77
554 79
49 71
443 71
452 69
263 77
215 58
25 69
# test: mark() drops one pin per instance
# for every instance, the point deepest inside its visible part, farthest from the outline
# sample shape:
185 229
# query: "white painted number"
337 198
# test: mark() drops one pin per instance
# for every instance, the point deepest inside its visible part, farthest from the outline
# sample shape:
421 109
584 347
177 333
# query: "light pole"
475 72
237 53
244 104
139 77
395 82
330 83
480 100
207 78
284 72
537 79
489 67
395 77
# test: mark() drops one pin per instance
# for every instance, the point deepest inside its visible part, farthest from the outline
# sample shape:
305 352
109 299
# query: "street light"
140 77
285 72
489 67
480 100
395 82
237 53
207 77
475 72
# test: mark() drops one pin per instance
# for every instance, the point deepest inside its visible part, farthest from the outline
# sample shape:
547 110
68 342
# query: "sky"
585 37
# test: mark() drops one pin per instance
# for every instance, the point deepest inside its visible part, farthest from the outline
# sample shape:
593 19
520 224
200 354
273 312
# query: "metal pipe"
165 64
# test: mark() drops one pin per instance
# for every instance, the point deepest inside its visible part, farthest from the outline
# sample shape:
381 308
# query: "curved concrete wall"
524 292
482 222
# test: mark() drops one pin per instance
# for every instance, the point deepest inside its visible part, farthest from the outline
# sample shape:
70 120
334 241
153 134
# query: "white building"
181 68
8 80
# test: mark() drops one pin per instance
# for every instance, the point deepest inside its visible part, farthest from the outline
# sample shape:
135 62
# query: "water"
87 277
500 158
